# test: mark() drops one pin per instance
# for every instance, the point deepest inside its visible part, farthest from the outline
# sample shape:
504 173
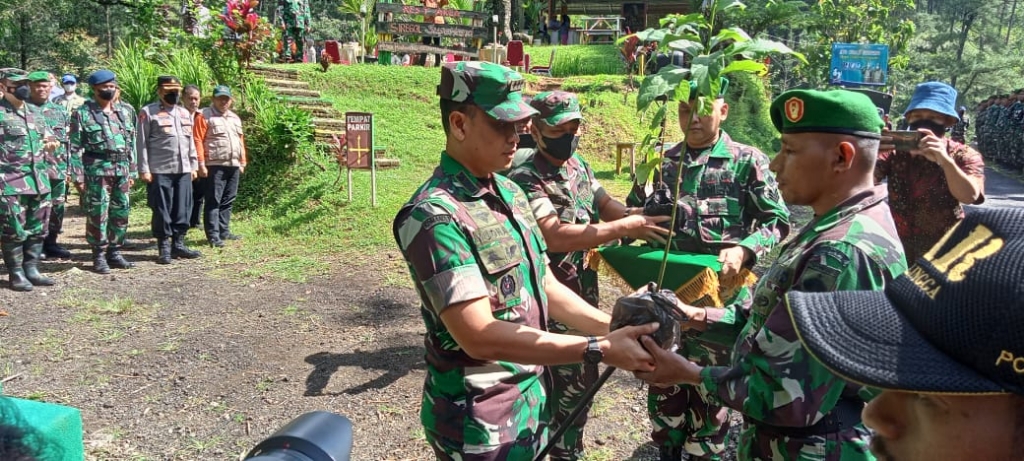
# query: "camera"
315 436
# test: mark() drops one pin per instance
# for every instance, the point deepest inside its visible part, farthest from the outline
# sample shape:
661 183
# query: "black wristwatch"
593 354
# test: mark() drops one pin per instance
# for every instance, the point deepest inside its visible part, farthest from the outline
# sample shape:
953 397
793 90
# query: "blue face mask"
561 147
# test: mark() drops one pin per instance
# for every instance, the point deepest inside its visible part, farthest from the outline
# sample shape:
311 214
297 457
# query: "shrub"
749 120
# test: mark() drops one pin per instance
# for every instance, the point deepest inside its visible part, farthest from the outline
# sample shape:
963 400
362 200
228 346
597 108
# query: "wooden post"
373 181
349 184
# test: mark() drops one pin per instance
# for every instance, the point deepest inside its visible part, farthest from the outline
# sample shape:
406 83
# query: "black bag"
652 306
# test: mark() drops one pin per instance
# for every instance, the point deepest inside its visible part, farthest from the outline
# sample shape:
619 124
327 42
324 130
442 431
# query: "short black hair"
191 88
448 106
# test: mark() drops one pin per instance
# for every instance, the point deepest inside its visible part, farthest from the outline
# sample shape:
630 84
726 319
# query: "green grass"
577 60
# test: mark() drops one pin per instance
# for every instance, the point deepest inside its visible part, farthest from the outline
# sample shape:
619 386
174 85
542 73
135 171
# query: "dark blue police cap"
100 77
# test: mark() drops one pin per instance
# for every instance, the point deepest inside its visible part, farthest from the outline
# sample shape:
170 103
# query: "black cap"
952 324
169 82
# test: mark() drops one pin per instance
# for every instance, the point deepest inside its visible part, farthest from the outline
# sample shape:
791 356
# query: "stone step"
335 124
320 111
273 82
261 70
387 163
299 101
277 76
287 91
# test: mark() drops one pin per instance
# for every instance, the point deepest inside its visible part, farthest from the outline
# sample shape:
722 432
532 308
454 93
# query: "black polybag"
651 306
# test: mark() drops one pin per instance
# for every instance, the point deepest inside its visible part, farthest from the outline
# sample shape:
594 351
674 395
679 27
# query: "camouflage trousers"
570 382
106 210
756 444
293 36
23 217
58 199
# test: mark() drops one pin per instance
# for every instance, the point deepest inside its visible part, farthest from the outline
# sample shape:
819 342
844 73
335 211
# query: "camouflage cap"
557 107
16 76
494 88
39 76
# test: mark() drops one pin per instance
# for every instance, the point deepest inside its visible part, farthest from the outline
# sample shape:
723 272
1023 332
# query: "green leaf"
753 67
699 75
758 48
733 33
687 46
735 4
645 170
651 35
683 91
661 84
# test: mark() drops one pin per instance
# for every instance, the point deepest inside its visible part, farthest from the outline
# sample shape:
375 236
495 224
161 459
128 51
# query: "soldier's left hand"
732 259
670 368
932 148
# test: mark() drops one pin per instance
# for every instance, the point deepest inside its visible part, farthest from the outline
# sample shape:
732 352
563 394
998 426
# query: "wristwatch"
593 354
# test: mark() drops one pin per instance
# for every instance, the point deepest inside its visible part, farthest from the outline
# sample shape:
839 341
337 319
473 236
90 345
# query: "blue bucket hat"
934 96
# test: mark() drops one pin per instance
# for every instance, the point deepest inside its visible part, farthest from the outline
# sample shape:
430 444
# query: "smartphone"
905 140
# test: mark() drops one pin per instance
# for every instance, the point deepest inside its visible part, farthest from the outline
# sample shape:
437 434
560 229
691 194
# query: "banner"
859 64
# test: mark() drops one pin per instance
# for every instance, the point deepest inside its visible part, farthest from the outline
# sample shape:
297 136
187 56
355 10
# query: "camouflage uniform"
295 16
980 120
572 193
1015 134
788 399
736 201
58 121
465 238
102 157
959 131
70 102
25 182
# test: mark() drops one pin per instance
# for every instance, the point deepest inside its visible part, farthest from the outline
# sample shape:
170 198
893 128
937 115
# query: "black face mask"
105 95
22 93
936 128
561 147
171 98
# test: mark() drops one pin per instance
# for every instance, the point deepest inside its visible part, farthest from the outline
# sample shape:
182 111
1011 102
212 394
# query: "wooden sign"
425 29
359 139
398 8
416 48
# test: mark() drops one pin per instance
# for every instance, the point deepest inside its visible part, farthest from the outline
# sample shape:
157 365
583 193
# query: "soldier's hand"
625 352
146 177
646 227
203 172
733 259
195 174
669 368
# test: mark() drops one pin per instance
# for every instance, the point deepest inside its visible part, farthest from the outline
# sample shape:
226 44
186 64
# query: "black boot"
52 250
13 259
164 246
34 254
179 250
116 260
99 261
671 454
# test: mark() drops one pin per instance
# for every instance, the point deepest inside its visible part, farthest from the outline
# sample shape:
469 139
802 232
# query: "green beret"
837 111
15 75
39 76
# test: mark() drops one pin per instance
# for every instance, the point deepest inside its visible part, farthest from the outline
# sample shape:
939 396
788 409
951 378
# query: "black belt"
845 415
113 156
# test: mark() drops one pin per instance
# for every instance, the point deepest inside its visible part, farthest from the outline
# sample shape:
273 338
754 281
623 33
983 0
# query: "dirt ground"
182 362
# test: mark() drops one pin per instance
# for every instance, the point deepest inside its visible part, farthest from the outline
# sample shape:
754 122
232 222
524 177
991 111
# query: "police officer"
168 163
58 121
70 100
26 147
103 167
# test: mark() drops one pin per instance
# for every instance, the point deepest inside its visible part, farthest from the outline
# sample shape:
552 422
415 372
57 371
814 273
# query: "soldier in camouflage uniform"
980 120
793 407
1015 130
58 120
295 17
27 145
70 100
959 131
574 214
479 263
103 167
992 115
735 211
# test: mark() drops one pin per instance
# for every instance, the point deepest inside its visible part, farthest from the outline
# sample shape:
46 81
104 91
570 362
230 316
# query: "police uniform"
467 238
24 185
166 150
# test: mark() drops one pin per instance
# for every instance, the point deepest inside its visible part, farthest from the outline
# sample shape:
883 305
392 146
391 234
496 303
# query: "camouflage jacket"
1015 116
922 205
572 193
772 379
294 13
102 143
731 198
59 121
464 239
24 167
70 102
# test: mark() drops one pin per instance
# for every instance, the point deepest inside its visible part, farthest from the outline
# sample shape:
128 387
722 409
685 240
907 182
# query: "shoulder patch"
436 220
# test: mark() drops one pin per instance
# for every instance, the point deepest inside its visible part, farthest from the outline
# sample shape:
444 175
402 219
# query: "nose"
776 163
882 414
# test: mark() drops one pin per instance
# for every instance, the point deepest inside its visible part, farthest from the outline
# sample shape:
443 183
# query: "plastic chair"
514 54
449 57
544 70
331 48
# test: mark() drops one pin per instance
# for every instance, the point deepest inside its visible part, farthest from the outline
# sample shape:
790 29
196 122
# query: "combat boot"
52 250
99 261
116 260
34 254
13 259
179 250
164 246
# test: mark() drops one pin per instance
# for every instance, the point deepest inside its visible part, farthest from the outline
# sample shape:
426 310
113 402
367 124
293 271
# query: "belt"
108 155
845 415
